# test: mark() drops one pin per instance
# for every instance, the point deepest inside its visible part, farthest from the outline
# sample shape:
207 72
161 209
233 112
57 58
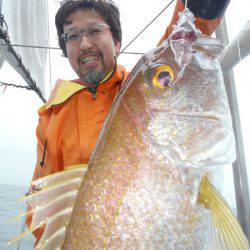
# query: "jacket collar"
63 89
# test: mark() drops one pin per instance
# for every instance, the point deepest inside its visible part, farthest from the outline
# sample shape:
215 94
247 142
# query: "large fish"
147 183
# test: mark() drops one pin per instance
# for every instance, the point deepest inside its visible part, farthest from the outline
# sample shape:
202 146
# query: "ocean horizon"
11 207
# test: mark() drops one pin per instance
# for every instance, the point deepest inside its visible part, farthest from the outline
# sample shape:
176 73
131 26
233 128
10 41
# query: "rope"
186 4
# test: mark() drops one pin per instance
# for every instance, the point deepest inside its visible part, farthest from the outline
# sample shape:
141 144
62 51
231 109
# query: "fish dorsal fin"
51 207
227 233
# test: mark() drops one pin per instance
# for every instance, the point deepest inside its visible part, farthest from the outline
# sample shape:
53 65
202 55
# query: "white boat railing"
229 59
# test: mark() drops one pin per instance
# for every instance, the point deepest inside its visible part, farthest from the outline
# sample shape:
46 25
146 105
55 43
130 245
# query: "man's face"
91 58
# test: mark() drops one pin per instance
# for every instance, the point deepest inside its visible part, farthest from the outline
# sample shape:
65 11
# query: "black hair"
107 9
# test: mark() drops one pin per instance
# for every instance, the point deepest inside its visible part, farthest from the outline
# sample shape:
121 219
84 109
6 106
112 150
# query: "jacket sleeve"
208 14
39 169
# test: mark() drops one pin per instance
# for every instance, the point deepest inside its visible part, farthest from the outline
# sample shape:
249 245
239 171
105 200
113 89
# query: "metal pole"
239 166
237 49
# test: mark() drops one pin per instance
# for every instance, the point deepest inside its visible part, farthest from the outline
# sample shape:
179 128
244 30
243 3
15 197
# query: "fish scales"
142 183
148 182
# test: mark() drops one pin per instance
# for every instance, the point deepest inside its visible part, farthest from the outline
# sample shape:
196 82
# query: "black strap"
207 9
44 152
93 90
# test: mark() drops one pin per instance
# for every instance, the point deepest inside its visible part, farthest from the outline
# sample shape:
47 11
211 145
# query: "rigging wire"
132 41
57 48
123 50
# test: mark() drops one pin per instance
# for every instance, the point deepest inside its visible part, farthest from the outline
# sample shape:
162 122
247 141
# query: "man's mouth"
91 67
88 59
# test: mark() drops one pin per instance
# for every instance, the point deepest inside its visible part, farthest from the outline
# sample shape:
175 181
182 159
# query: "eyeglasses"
92 32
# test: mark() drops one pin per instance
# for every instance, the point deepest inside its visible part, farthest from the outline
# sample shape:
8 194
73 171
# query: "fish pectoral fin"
54 241
52 205
227 232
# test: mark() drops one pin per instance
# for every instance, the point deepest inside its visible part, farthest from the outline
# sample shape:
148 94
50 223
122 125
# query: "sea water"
10 207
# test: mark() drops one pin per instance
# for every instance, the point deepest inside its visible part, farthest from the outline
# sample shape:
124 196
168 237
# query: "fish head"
181 59
165 65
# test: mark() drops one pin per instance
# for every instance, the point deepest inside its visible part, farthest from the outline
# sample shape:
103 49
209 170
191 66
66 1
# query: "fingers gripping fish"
147 183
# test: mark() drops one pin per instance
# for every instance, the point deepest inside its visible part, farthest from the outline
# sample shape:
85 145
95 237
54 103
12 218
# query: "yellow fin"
227 230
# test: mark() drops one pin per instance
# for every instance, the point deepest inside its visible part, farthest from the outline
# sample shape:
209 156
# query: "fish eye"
164 78
161 76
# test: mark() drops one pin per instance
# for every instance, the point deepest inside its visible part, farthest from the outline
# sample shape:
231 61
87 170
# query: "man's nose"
85 42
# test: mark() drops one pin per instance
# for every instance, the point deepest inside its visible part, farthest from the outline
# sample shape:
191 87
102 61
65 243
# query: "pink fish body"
141 187
169 126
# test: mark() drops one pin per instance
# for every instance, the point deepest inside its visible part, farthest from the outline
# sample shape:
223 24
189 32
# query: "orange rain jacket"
70 122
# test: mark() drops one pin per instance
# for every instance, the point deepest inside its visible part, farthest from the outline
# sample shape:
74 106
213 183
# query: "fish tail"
227 232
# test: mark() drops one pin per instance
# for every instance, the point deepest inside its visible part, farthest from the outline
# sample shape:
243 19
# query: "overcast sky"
18 108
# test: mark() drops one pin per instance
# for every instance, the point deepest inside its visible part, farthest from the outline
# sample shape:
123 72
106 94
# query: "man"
90 37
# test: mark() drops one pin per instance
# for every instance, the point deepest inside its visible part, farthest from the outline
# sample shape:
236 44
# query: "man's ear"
117 47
